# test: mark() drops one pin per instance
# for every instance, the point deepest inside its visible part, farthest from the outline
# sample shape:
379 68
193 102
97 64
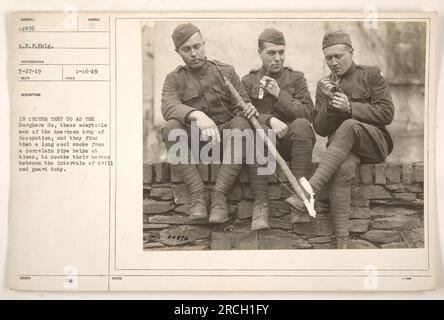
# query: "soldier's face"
272 56
193 51
339 58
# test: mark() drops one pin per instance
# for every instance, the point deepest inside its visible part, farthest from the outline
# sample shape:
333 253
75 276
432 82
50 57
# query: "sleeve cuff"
264 119
285 99
183 113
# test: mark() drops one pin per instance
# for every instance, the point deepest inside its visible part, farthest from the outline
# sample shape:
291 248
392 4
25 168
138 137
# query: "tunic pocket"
361 95
190 94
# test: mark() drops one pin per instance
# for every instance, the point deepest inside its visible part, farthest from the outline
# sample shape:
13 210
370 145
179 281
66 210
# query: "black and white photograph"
329 117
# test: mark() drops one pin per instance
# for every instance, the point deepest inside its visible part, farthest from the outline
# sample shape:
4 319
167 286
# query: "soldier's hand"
326 87
279 127
207 126
251 111
272 86
340 102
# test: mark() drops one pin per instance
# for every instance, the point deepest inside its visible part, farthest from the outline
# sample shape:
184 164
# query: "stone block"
358 226
182 208
321 226
360 202
418 203
400 188
147 173
162 172
181 194
407 196
182 248
161 185
388 211
162 193
415 188
381 236
245 209
372 192
175 219
360 213
220 241
245 241
203 169
146 193
360 244
418 172
157 206
320 240
278 239
322 246
281 223
407 173
149 226
174 174
380 176
393 173
299 217
395 222
151 245
278 208
394 245
366 174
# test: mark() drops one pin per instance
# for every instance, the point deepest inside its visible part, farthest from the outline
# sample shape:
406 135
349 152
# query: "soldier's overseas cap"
273 36
335 37
182 33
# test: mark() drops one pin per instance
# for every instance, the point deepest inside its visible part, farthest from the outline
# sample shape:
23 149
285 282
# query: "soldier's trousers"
354 142
225 177
296 146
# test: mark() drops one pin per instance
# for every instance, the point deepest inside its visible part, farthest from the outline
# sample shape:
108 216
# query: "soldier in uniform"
353 106
195 92
281 97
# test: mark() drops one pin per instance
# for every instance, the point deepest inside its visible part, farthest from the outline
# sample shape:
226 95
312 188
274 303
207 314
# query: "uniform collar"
350 70
263 72
201 71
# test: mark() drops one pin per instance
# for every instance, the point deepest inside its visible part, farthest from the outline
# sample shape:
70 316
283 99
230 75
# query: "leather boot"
259 188
341 243
260 215
219 208
226 177
199 203
199 196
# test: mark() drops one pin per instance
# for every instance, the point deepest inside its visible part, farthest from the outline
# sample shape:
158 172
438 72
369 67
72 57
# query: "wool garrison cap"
335 37
273 36
182 33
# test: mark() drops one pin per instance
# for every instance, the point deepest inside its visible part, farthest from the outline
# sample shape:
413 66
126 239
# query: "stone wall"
387 212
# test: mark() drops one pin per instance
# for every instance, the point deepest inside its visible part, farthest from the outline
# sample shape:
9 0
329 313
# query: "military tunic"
293 102
370 102
186 90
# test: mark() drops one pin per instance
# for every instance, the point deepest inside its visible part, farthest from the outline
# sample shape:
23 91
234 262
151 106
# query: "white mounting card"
79 84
